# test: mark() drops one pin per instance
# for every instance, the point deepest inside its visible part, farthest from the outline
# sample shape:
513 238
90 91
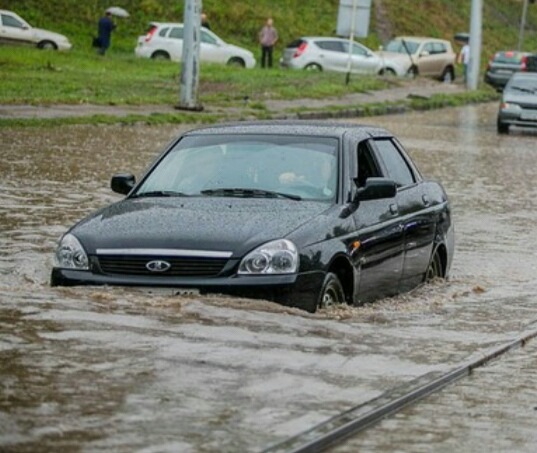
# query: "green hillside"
238 21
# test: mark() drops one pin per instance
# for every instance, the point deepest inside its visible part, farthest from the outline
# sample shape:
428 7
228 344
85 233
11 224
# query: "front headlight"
276 257
70 254
510 106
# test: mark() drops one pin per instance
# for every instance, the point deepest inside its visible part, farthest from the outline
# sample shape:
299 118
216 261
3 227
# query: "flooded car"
305 214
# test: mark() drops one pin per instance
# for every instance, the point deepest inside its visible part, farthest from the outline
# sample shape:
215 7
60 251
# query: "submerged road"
120 369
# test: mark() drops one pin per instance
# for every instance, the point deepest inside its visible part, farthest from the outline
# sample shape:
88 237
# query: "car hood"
41 34
213 224
401 59
239 50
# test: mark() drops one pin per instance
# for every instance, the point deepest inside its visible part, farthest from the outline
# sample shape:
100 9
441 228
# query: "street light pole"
191 55
475 44
522 25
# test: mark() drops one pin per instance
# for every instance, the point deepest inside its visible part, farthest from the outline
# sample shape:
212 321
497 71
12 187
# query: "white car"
165 41
15 30
330 54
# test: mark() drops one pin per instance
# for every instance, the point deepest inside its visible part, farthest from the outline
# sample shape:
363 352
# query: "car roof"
294 127
419 39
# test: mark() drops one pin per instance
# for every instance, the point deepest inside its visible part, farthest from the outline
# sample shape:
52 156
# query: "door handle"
393 209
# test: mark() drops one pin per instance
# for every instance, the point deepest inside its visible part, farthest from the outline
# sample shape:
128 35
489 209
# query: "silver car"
330 54
15 30
165 41
518 106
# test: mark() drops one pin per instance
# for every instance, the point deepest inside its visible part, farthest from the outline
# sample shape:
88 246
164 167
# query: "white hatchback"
165 41
15 30
330 54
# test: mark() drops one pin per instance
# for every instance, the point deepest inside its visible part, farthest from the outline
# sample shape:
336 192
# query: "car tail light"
150 33
524 64
300 50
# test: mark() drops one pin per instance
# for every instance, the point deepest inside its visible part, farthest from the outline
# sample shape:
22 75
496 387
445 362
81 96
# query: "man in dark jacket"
105 27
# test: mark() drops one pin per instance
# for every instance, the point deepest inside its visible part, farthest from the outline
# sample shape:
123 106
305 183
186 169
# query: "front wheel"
47 45
236 62
332 292
502 128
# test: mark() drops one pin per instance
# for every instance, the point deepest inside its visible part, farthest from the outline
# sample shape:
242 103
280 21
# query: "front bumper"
294 290
521 117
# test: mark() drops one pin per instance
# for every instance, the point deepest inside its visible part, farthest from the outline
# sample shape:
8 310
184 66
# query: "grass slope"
239 21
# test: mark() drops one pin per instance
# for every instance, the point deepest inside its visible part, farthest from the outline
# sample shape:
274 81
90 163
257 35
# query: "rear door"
414 205
173 42
332 55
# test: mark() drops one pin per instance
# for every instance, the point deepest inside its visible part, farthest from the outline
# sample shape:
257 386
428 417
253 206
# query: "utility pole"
190 61
476 21
351 41
522 25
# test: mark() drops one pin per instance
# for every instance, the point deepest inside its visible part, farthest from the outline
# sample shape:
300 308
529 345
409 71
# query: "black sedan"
518 106
305 214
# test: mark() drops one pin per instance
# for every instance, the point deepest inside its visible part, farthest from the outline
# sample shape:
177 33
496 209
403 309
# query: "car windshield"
526 85
508 57
247 166
402 46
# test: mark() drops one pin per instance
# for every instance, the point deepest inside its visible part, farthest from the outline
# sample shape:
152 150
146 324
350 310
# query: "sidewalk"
296 108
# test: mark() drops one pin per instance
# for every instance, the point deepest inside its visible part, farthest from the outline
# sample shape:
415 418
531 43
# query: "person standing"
464 59
205 21
104 29
268 36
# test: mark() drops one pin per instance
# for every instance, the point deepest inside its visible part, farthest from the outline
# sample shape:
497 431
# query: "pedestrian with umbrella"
105 27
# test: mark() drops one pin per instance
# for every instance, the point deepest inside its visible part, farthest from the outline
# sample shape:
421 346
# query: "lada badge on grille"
158 266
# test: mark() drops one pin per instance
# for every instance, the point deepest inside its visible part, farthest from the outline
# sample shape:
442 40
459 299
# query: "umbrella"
117 11
462 37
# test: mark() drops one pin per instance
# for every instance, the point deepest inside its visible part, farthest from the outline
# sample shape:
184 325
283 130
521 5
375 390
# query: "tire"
502 128
236 62
435 268
332 292
412 72
448 76
313 67
160 55
388 72
47 45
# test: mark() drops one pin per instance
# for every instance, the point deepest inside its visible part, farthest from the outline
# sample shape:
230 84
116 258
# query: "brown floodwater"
120 369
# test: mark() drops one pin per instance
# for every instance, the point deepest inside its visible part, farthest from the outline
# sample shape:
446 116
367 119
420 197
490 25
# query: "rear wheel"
314 67
435 269
502 128
412 72
160 55
332 292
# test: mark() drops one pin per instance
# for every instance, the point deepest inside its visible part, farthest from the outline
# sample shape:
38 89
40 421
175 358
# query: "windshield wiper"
250 193
159 193
524 90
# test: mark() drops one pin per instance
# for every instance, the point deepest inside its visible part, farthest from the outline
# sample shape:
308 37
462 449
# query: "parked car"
412 56
518 106
503 65
330 54
302 213
15 30
165 41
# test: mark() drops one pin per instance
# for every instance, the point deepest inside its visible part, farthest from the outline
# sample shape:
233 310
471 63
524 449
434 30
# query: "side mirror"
376 189
123 183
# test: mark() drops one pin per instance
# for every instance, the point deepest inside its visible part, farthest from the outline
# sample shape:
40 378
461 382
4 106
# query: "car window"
439 47
356 49
207 38
367 164
396 165
176 33
162 33
508 57
334 46
306 167
402 46
10 21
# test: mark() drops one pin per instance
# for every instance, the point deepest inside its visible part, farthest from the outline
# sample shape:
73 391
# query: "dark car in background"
518 106
504 64
305 214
